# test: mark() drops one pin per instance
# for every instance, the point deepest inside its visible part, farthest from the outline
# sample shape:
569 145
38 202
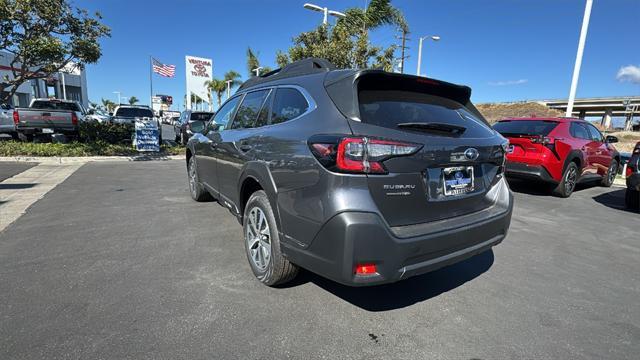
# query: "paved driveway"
118 262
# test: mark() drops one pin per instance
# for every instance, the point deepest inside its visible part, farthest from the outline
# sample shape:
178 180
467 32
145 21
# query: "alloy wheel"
613 170
570 181
258 238
192 176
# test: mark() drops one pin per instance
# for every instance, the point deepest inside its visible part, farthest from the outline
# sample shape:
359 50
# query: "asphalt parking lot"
118 262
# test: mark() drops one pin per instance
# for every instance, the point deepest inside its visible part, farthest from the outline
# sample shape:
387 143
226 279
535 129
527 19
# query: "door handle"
245 147
213 145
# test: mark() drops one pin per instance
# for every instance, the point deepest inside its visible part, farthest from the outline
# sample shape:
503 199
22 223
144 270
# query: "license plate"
457 180
47 131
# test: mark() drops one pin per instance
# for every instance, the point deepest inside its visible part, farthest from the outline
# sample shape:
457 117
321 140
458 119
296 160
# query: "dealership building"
70 84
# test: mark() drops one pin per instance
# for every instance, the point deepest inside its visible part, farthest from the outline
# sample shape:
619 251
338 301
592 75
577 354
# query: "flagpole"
151 82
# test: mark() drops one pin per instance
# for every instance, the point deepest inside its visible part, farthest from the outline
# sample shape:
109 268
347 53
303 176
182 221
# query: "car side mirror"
91 112
611 139
211 126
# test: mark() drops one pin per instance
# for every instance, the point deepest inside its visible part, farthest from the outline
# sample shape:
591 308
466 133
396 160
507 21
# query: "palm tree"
254 63
218 86
133 100
108 105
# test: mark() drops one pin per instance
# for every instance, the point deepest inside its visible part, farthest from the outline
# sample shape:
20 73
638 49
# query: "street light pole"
257 70
229 88
432 37
578 64
325 11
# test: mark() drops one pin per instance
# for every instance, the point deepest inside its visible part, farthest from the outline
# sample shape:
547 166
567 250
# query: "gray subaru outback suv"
362 176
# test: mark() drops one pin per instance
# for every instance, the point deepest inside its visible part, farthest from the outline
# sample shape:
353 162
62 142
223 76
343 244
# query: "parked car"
48 116
190 122
7 124
632 195
559 151
127 114
362 176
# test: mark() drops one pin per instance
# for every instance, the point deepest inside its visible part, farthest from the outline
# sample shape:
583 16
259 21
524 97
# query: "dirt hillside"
494 112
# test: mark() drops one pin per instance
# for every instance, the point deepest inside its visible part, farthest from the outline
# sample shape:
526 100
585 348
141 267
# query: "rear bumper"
7 128
526 171
352 238
38 130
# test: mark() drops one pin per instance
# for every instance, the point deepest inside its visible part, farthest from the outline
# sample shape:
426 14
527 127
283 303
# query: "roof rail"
297 68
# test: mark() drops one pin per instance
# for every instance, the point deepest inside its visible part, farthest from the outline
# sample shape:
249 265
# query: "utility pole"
578 64
403 47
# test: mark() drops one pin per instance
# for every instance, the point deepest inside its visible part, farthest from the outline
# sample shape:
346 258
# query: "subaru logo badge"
471 154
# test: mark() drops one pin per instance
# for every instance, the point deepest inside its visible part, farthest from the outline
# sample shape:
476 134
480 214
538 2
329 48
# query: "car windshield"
525 127
201 116
55 105
133 112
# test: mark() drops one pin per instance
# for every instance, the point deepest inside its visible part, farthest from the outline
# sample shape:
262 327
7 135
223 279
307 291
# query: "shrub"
107 132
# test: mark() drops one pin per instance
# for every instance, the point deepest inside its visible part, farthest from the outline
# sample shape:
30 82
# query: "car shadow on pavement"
613 199
407 292
543 189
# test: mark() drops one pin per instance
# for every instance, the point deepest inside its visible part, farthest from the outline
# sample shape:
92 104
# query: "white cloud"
508 82
630 73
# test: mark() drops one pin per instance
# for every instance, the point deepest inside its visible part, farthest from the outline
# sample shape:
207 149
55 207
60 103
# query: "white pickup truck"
48 116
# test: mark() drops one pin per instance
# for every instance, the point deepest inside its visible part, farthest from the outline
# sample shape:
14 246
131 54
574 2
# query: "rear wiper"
431 126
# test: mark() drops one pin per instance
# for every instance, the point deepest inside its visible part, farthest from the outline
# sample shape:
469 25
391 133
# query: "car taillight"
74 118
629 171
16 117
544 140
358 155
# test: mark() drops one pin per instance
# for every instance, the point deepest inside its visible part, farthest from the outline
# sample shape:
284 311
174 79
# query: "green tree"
254 63
108 105
133 100
45 36
346 44
216 86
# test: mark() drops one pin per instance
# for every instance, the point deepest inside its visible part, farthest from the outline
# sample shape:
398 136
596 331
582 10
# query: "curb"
85 159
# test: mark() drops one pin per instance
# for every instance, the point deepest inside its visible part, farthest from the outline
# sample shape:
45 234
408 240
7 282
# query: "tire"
568 183
610 176
14 136
198 193
262 243
632 199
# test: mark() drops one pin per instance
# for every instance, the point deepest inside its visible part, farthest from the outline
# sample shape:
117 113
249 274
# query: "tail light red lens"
359 155
74 118
16 117
366 269
629 171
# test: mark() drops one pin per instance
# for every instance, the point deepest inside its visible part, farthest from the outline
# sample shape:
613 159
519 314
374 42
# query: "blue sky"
506 50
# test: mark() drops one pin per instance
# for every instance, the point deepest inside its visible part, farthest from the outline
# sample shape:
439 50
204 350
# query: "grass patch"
95 148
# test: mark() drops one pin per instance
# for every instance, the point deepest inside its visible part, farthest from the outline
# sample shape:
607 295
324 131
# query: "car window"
525 127
224 114
288 104
263 115
200 116
55 105
397 109
248 111
579 131
133 112
594 133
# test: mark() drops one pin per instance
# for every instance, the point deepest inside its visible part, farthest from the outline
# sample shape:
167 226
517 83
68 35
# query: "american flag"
163 69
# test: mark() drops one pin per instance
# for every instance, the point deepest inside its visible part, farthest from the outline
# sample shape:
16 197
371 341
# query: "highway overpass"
605 108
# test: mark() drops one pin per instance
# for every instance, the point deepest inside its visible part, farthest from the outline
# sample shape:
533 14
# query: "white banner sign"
199 70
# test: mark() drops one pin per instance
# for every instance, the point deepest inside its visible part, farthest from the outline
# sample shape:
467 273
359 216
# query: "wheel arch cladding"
256 176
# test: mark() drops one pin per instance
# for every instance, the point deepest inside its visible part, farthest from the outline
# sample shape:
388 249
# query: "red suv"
561 151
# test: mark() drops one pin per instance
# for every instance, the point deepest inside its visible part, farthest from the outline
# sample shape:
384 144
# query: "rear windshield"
525 127
415 111
201 116
54 105
133 112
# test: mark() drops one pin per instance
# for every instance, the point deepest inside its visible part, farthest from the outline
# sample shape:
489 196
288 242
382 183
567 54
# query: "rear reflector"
366 269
